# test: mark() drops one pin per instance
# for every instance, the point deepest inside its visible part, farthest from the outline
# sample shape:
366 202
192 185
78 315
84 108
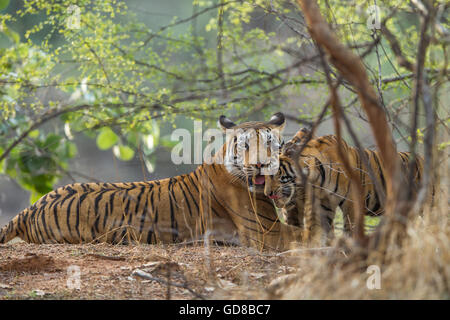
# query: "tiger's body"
209 201
327 186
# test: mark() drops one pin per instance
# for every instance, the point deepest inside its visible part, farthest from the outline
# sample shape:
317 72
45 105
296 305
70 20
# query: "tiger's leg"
300 206
327 214
294 214
312 220
319 218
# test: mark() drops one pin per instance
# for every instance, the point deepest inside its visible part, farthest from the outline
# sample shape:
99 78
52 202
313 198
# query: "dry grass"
420 269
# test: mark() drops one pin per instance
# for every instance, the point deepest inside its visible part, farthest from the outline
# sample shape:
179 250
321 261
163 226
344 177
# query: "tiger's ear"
304 130
301 135
278 121
226 123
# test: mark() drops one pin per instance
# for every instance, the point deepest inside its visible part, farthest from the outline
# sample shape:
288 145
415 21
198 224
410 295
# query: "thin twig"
147 276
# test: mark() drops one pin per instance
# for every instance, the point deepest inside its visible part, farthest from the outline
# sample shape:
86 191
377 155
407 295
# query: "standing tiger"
327 186
223 200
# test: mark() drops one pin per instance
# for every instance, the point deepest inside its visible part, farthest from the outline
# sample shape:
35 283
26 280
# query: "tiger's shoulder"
305 144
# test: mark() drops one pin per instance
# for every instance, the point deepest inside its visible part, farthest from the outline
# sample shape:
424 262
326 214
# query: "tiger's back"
119 213
328 187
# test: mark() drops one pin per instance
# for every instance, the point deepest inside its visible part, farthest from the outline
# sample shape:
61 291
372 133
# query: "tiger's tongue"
260 179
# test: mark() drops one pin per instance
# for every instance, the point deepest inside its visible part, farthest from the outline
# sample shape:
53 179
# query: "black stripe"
321 170
109 209
173 223
325 207
50 235
68 216
77 219
377 204
337 181
97 200
40 236
143 215
380 170
185 197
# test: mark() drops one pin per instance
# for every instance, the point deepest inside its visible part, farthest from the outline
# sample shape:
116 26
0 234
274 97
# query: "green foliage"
3 4
124 153
39 162
106 138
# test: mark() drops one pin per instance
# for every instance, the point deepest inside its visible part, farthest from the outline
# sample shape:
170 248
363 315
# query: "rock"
281 283
39 293
225 284
257 275
5 286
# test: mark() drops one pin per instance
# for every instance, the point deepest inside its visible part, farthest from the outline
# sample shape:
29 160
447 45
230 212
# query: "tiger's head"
294 145
283 186
252 150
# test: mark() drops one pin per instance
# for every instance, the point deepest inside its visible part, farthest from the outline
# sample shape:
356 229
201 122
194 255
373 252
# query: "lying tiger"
223 200
327 187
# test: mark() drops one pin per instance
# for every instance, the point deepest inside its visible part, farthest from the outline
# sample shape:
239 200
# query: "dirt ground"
102 271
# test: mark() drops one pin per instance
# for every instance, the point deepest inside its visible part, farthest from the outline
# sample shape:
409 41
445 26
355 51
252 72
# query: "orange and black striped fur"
213 201
327 186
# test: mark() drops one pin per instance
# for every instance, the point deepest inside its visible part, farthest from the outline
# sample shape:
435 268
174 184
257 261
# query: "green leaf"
35 196
106 139
14 36
2 162
52 142
34 134
133 138
71 150
3 4
124 153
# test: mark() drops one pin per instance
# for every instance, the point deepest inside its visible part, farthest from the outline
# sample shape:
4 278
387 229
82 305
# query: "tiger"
327 186
222 200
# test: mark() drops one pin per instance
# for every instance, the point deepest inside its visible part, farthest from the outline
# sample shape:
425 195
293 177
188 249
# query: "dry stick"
168 283
309 136
355 181
147 276
419 81
180 21
396 49
304 250
351 67
423 90
219 51
101 256
295 153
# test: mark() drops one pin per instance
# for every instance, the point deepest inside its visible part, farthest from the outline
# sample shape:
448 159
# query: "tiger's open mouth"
258 180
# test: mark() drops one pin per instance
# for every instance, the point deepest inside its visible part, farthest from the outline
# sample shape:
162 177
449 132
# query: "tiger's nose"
258 164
